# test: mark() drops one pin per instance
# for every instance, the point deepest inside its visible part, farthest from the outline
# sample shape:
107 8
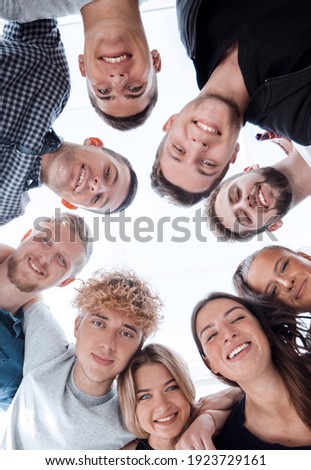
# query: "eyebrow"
210 325
113 97
199 170
141 390
126 325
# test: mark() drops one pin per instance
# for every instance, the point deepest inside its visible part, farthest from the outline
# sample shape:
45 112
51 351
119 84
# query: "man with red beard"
50 254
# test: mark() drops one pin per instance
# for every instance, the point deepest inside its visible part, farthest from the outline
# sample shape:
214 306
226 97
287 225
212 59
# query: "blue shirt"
12 342
34 87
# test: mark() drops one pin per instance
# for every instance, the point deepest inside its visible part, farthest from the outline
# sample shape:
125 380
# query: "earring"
68 205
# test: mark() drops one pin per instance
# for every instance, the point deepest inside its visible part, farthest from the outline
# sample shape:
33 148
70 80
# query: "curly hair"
290 343
152 354
121 290
173 193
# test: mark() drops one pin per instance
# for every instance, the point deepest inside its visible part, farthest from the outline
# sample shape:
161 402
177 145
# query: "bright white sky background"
182 272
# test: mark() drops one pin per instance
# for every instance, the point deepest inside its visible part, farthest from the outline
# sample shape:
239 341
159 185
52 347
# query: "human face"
120 69
162 409
284 275
45 258
89 177
232 340
105 343
253 200
201 141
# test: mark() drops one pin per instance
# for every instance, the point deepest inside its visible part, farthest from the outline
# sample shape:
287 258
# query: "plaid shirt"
35 86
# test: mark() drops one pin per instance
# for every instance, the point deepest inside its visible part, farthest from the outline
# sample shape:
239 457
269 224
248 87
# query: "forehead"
115 318
154 373
268 259
216 309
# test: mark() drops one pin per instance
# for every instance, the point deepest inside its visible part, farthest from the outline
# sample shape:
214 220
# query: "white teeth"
164 420
35 267
114 60
262 199
206 128
82 174
237 350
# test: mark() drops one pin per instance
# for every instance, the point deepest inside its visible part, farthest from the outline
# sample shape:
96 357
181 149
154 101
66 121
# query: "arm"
5 251
210 415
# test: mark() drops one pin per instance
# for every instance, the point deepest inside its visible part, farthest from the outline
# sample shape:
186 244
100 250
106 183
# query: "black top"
234 436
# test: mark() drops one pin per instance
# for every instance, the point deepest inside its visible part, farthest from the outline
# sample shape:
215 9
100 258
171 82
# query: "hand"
199 434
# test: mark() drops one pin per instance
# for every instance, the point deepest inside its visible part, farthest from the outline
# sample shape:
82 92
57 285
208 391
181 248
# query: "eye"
208 164
96 198
274 291
127 334
237 319
171 388
98 323
134 89
210 337
107 172
145 396
47 241
284 266
62 261
178 149
104 91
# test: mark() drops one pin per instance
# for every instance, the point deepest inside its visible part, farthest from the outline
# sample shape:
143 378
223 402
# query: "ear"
67 281
235 153
273 227
156 60
77 324
252 167
94 141
26 235
68 205
169 123
81 65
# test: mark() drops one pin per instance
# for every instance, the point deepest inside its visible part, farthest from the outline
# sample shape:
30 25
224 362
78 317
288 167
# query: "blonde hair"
151 354
121 290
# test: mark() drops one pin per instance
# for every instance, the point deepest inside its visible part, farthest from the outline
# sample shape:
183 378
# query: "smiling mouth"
35 267
81 178
116 59
166 419
299 290
261 198
238 350
206 128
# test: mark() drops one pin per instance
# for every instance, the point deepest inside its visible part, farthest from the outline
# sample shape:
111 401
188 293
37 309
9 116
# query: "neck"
233 89
105 11
11 297
298 173
162 444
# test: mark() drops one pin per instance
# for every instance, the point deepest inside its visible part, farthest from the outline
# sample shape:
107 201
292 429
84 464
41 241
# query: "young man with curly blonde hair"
67 398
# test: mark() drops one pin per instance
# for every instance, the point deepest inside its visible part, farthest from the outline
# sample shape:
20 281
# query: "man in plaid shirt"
35 87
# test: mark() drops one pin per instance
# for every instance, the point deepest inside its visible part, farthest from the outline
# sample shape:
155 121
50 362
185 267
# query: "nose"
97 184
287 283
195 150
118 78
161 403
229 333
108 342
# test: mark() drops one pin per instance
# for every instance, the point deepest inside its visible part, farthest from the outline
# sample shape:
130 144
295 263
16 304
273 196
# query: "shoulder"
130 446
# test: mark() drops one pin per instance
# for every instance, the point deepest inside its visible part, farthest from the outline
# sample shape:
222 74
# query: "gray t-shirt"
48 411
25 10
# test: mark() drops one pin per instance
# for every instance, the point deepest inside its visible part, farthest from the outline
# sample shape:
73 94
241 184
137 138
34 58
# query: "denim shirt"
12 342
